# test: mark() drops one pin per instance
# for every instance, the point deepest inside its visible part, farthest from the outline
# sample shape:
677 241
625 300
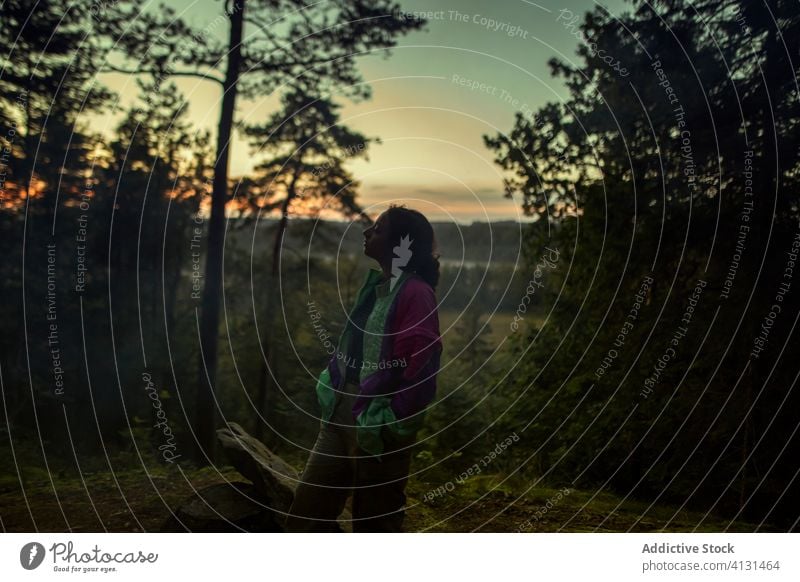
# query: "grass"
136 500
481 504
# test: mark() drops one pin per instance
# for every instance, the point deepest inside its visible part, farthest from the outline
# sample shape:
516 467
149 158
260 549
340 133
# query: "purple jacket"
418 344
410 336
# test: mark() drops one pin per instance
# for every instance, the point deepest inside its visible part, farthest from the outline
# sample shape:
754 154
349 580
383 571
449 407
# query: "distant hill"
476 243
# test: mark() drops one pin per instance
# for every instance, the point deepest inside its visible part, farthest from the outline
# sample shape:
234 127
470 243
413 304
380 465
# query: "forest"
621 360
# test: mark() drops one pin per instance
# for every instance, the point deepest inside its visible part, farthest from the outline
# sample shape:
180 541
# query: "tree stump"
260 506
274 478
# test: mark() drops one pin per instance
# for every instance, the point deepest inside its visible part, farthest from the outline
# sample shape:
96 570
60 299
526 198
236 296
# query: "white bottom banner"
401 557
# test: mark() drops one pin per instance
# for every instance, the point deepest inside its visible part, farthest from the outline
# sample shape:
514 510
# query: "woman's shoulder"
417 308
417 287
417 299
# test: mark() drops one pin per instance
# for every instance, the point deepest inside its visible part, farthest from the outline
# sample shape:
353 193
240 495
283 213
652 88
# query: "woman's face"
376 238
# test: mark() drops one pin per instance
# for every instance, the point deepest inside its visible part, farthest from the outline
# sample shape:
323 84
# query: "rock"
225 507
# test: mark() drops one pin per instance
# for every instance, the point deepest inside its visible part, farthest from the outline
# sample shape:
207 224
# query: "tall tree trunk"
264 381
291 193
267 369
765 195
209 321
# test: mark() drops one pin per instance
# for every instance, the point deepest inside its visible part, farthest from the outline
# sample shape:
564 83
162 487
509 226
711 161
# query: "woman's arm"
416 347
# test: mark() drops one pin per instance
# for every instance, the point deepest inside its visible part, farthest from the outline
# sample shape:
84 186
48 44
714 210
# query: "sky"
440 90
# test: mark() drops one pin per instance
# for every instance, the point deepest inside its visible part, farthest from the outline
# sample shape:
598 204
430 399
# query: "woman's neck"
387 270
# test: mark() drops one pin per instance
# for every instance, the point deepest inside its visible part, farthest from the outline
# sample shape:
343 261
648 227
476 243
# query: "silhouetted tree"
644 169
288 43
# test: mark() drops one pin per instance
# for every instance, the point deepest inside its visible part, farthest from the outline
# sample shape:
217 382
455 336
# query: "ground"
95 504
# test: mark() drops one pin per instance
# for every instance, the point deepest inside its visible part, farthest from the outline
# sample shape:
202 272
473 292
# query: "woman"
377 385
